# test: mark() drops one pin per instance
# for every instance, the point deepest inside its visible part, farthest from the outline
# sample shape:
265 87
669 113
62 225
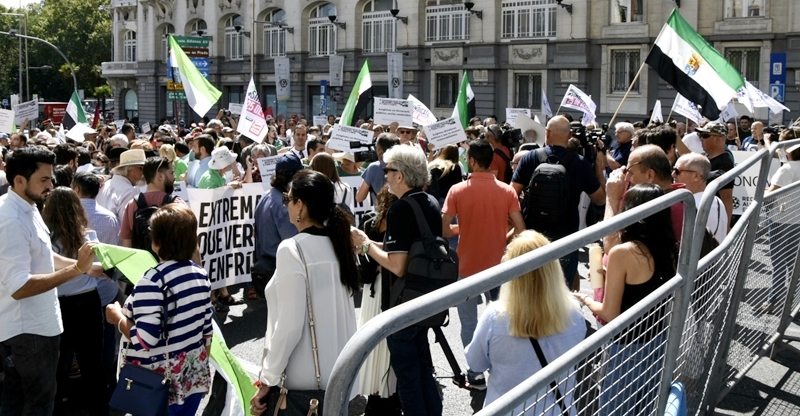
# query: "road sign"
174 86
206 73
196 52
191 41
176 96
5 102
777 91
200 63
323 97
196 48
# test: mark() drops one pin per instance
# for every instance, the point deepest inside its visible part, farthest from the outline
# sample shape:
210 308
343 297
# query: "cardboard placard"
512 113
321 121
28 110
445 132
266 167
342 136
235 108
390 110
119 124
6 121
145 127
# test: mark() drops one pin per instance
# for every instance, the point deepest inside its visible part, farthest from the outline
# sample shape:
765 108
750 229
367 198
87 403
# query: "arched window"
129 46
165 32
274 36
321 32
234 38
379 32
198 28
131 102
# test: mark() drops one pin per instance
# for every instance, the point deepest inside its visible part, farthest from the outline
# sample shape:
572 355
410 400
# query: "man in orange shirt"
484 205
502 157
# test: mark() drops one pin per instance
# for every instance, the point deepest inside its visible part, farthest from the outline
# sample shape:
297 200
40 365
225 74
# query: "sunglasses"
287 198
387 170
708 135
677 171
404 131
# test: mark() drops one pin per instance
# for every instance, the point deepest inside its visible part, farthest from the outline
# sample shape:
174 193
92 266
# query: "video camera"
774 130
369 155
588 139
511 137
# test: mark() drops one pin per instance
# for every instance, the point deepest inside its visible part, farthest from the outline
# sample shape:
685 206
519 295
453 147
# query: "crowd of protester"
61 197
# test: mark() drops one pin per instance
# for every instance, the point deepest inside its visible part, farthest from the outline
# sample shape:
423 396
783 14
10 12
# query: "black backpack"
140 238
509 173
432 265
548 197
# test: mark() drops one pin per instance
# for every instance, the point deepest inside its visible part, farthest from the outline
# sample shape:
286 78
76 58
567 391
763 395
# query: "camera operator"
619 154
501 161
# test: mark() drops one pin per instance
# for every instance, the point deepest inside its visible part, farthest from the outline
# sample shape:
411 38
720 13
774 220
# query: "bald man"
583 177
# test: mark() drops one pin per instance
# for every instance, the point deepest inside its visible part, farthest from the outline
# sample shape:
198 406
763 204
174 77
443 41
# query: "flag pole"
630 87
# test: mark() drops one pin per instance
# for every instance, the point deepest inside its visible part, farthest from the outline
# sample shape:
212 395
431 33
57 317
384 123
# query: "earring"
298 218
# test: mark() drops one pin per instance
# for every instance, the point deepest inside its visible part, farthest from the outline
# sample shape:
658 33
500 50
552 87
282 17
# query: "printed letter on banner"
445 132
226 231
282 79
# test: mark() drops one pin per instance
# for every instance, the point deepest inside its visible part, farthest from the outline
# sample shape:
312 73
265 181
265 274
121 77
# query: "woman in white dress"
321 253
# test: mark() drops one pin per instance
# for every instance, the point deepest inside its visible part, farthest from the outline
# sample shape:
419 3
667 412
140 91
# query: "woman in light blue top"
79 301
535 305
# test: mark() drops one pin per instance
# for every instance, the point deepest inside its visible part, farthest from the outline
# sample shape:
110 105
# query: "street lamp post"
13 32
21 96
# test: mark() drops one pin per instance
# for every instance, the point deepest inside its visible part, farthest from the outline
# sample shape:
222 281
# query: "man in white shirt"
693 170
29 334
121 188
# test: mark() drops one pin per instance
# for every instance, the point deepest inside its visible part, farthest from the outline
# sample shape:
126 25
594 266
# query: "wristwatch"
365 248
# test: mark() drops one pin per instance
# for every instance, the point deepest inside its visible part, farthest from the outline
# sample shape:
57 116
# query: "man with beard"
31 328
160 178
121 188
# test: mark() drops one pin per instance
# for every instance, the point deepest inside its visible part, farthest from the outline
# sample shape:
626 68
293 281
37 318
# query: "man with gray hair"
121 188
619 155
693 171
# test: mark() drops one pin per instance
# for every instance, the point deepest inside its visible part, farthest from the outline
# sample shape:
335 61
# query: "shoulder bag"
299 402
141 391
553 386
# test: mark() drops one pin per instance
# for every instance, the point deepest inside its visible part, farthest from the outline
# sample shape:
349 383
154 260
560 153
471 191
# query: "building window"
747 61
321 32
131 103
198 28
274 36
446 90
529 19
234 39
744 8
447 23
129 46
626 11
528 90
624 66
379 32
236 94
168 30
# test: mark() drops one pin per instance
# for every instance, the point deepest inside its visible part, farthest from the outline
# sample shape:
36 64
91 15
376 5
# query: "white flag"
578 100
687 109
546 105
728 113
656 116
761 100
252 122
744 98
422 115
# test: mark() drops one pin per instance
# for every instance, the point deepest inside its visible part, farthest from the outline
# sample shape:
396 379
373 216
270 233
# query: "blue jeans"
411 362
29 364
632 380
468 316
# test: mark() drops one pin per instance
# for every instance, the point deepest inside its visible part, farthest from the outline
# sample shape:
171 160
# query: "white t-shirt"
717 217
787 174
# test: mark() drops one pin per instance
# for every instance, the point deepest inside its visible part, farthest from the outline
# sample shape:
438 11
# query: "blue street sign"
777 76
206 73
5 102
323 97
777 92
200 63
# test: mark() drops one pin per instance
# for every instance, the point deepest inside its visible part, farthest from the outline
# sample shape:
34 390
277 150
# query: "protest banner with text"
342 136
390 110
365 207
445 132
744 186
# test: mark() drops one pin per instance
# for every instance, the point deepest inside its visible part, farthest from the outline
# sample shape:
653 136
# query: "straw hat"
132 158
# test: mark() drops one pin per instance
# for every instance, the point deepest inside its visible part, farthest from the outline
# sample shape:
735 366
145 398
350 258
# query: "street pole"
253 42
69 64
27 77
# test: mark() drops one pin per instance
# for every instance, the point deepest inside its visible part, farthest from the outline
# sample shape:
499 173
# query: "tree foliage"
81 29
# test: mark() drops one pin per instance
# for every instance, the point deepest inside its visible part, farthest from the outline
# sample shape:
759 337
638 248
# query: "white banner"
28 110
342 136
744 186
266 167
686 108
283 78
145 127
335 70
394 66
422 114
578 100
77 131
119 124
657 115
728 113
445 132
512 113
321 121
235 108
226 231
252 122
546 105
180 190
389 110
6 121
365 207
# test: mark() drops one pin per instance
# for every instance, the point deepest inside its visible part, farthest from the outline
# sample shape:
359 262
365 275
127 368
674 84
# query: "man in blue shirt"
203 146
619 155
373 177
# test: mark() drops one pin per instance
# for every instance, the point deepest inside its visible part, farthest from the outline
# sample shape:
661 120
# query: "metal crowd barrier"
650 326
706 327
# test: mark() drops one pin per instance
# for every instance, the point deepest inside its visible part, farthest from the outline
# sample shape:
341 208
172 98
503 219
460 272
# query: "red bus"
52 110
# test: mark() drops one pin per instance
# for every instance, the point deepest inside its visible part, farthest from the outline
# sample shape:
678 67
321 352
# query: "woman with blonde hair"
445 172
535 308
180 166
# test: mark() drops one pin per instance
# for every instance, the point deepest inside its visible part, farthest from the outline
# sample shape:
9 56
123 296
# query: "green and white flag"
360 96
134 264
693 67
200 94
465 103
74 113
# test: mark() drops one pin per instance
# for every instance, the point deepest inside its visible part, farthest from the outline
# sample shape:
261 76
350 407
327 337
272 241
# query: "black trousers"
83 337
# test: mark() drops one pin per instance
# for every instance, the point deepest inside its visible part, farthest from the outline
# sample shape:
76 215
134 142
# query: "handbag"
299 402
141 391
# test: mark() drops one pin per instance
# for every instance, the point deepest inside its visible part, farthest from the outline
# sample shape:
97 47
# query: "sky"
16 3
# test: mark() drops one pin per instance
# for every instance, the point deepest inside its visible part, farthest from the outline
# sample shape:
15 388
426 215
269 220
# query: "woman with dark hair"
646 259
445 172
79 301
324 163
319 262
182 352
